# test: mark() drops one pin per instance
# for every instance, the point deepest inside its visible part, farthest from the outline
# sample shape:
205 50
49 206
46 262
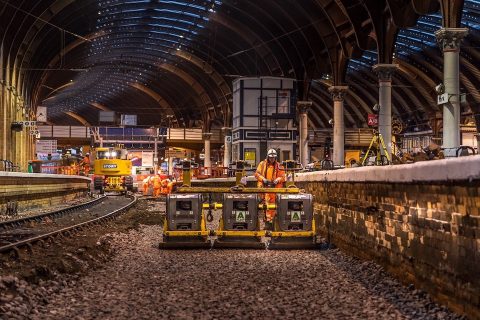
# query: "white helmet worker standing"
270 174
272 153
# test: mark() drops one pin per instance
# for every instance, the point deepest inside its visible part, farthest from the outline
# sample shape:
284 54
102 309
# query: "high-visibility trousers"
270 198
145 188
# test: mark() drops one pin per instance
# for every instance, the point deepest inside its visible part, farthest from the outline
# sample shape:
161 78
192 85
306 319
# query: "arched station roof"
177 58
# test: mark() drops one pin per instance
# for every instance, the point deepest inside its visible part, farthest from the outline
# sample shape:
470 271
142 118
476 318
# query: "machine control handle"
214 205
265 206
209 216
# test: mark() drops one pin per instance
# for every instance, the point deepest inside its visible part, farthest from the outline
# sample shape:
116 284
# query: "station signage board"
172 153
147 159
442 98
41 114
372 120
106 116
128 120
46 146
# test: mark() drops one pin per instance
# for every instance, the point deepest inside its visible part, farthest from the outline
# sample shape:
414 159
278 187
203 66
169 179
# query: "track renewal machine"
188 210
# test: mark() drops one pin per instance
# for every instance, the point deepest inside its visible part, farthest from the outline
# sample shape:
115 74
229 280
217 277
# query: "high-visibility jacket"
166 186
270 171
146 185
157 182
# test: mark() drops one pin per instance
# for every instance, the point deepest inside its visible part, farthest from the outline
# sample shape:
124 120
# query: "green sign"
240 216
296 216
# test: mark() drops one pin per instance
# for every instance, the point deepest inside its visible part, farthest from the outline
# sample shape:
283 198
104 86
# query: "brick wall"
420 221
426 232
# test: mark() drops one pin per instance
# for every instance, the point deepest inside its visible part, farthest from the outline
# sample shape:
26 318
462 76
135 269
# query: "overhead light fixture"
440 88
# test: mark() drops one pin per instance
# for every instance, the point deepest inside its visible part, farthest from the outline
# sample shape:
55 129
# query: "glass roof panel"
165 26
416 39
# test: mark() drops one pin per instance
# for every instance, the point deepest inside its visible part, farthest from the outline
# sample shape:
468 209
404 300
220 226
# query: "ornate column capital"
207 135
385 71
338 92
303 106
448 39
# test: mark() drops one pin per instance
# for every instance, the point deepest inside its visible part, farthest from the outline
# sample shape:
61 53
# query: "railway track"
15 234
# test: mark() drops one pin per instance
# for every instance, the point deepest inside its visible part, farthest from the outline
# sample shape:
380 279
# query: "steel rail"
67 230
5 225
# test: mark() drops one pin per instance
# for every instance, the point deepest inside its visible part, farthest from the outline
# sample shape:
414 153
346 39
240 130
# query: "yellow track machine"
112 170
240 224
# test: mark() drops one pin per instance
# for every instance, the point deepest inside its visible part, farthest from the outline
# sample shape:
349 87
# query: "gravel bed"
143 282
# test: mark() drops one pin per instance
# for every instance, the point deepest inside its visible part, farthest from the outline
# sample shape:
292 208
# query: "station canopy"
172 63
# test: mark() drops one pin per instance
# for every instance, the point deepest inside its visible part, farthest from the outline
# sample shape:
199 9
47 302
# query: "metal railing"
203 172
9 166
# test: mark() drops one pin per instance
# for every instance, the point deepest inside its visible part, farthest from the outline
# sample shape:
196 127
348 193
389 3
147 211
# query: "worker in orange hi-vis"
164 189
86 164
170 186
146 185
270 174
157 185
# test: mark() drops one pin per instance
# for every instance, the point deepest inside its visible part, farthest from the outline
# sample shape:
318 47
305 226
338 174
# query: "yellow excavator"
112 170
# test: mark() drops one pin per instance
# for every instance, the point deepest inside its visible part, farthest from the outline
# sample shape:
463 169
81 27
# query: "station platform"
421 221
23 191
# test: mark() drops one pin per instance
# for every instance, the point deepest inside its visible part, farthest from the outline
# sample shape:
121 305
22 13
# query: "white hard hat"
272 153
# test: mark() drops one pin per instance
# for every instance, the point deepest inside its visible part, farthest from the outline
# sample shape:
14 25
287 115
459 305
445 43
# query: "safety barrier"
203 172
67 170
7 165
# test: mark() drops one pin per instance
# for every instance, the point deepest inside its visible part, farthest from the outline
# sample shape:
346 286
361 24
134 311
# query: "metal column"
302 107
155 153
170 166
207 163
449 41
227 150
338 95
384 73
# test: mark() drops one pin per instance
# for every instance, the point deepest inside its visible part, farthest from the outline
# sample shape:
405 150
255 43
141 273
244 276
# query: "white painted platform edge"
40 175
453 169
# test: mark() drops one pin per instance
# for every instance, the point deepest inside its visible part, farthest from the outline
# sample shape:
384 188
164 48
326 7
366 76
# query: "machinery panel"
294 212
240 212
184 212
